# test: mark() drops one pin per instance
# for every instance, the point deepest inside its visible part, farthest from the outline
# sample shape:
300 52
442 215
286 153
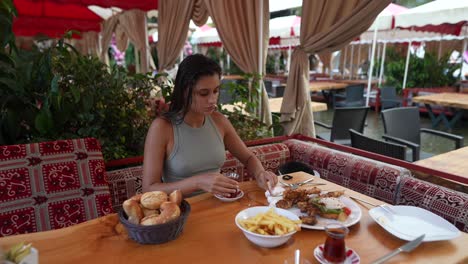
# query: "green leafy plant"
58 94
422 72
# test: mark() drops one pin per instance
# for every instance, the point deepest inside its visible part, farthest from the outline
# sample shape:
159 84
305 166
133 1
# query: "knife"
405 248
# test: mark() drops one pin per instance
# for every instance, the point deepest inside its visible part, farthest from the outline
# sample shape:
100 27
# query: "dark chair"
389 97
294 166
402 126
279 91
353 97
269 88
358 140
344 118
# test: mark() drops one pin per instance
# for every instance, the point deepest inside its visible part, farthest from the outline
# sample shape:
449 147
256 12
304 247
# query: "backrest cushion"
272 156
51 185
125 183
370 177
448 204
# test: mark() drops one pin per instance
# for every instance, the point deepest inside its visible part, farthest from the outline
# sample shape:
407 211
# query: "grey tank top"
195 151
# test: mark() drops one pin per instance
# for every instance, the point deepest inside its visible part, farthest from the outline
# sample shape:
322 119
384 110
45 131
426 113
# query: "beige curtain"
326 25
90 43
173 25
127 26
134 25
107 29
237 23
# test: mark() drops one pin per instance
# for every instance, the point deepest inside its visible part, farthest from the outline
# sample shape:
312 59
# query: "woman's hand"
266 180
217 183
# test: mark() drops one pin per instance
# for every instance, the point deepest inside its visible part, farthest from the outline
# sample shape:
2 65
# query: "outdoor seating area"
233 131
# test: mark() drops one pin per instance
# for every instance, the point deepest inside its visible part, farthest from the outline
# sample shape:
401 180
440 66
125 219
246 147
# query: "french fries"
270 223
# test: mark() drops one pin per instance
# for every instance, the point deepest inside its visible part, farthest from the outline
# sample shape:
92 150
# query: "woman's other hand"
217 183
266 180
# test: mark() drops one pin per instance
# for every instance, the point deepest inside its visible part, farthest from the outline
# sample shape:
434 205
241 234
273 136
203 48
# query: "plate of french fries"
268 226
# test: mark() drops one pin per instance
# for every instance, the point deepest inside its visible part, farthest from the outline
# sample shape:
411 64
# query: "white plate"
352 219
409 222
226 199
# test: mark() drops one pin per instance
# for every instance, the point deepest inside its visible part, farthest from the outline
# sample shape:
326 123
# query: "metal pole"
352 61
369 71
359 56
461 55
260 59
382 63
406 65
344 62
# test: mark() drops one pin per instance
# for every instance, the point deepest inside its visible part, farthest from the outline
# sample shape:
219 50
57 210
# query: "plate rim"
226 199
375 213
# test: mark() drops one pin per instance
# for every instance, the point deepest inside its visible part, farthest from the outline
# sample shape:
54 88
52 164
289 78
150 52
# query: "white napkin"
276 195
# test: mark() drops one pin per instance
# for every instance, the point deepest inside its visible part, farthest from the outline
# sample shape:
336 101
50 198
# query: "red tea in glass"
335 249
236 177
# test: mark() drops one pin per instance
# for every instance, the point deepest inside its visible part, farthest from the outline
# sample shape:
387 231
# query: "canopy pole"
463 52
288 62
382 62
221 61
378 56
359 55
371 67
406 65
228 59
352 61
344 61
350 64
440 48
260 58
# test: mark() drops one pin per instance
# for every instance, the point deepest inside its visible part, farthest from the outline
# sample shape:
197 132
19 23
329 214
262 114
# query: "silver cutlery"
298 184
386 208
405 248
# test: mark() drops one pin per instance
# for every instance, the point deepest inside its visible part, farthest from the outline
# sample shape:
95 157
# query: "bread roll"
148 212
176 197
153 200
169 211
133 211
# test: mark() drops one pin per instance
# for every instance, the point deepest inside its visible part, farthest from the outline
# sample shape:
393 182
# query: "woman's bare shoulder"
160 126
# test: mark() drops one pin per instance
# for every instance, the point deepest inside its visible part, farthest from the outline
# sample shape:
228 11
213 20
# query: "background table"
211 236
454 162
456 102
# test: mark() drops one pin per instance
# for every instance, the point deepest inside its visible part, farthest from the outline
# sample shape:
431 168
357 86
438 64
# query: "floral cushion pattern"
124 183
272 156
370 177
51 185
450 205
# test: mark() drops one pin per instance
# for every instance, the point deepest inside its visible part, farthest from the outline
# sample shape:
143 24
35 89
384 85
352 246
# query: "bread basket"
157 234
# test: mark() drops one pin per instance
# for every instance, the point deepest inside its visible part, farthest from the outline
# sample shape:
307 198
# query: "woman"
185 149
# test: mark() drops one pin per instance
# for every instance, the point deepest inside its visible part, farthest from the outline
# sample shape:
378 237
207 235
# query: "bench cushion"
51 185
449 204
125 183
370 177
272 156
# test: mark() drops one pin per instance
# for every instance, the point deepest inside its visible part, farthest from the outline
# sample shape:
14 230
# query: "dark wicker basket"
157 234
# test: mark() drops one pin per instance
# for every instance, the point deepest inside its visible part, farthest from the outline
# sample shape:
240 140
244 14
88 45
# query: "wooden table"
456 102
454 162
321 86
275 105
211 236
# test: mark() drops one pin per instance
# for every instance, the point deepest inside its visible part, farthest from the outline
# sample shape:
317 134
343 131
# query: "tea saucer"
226 199
351 256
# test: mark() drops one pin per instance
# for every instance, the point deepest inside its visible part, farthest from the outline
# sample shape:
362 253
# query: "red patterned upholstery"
51 185
125 183
271 156
370 177
451 205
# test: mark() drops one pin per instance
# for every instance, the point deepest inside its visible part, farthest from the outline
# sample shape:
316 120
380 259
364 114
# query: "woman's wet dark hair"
191 69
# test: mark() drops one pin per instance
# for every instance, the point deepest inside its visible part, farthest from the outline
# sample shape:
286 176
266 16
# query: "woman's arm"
159 142
265 179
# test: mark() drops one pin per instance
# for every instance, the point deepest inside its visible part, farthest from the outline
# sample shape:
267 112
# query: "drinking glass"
335 249
234 176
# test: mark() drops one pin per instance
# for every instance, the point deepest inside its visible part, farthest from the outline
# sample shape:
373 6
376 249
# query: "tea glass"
335 248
